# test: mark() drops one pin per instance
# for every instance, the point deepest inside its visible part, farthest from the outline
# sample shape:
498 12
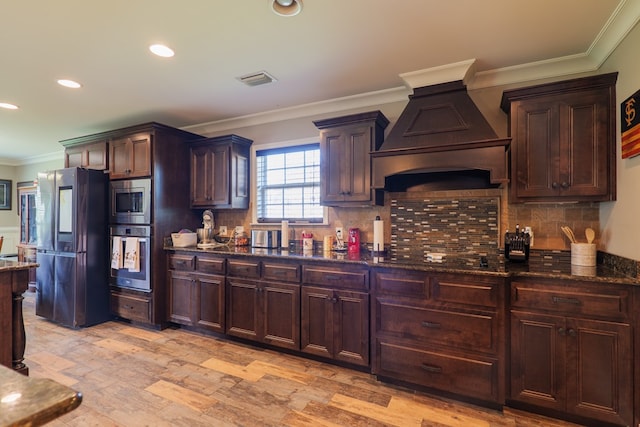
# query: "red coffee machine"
353 242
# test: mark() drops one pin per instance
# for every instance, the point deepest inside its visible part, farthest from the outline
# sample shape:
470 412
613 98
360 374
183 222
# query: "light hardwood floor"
136 377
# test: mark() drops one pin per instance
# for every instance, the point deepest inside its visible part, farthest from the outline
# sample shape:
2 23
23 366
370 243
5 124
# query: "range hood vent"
441 130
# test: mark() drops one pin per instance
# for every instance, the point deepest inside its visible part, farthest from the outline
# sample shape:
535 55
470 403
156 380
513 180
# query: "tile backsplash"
422 223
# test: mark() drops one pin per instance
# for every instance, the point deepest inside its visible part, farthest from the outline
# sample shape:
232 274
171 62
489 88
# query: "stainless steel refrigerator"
72 247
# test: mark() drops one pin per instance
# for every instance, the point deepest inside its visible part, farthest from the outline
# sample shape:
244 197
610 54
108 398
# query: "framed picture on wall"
5 194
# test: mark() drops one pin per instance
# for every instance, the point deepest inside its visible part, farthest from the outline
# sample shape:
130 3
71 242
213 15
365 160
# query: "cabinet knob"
562 331
565 185
554 184
572 332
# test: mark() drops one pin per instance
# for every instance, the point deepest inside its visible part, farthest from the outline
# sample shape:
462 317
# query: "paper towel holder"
378 237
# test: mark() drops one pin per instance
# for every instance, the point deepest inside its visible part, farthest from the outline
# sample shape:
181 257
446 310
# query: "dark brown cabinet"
571 349
90 155
345 163
197 291
130 156
220 173
262 310
563 140
442 331
335 313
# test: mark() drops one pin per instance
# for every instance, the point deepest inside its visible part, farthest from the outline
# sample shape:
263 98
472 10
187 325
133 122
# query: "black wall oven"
130 201
140 278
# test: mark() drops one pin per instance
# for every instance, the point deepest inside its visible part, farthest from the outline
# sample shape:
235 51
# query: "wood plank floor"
135 377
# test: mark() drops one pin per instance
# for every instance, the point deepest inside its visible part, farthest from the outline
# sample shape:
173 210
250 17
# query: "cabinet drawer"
247 269
281 272
403 284
612 302
336 278
455 374
466 290
210 265
465 330
182 262
131 307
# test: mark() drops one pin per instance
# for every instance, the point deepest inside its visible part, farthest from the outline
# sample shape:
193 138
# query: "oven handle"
140 239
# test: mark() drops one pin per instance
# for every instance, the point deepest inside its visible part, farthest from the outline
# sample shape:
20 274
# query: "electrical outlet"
239 229
339 233
223 230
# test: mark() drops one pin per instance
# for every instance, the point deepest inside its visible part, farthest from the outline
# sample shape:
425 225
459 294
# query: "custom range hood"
441 135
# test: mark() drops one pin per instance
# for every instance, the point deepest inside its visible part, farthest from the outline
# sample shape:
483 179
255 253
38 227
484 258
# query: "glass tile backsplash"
454 226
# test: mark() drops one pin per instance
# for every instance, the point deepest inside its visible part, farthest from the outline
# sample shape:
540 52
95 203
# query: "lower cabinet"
571 349
263 310
131 305
197 291
441 331
335 313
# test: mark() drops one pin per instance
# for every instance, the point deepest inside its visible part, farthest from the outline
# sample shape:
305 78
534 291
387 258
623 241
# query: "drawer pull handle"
432 369
128 307
279 273
181 263
432 325
332 278
564 300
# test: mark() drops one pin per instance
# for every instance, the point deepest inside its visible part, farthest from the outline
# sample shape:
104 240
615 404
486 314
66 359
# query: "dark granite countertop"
543 264
33 401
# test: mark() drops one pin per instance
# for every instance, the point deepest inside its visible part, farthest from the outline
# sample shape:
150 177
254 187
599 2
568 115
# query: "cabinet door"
281 308
96 156
243 308
120 155
536 153
181 298
317 321
538 359
141 155
334 166
346 165
584 144
74 157
210 298
220 175
351 327
130 157
201 178
600 382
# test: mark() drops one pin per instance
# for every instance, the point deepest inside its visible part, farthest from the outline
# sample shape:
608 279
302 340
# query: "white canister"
307 241
583 254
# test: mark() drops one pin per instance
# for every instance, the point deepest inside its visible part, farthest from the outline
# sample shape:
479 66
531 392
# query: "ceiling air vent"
256 79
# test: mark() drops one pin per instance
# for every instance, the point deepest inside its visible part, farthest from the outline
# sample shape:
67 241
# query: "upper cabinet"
130 156
220 172
90 155
345 164
563 140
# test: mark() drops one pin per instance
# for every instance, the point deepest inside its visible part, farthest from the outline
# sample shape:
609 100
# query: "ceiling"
331 50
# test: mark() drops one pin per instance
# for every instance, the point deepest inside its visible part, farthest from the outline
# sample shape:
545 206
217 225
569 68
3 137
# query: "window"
288 184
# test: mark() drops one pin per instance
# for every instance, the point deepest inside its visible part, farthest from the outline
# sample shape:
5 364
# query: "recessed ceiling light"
8 106
286 7
161 50
69 83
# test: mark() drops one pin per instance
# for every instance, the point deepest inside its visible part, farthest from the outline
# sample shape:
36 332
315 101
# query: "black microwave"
130 201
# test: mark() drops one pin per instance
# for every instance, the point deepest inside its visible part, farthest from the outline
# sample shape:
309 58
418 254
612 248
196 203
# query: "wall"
619 226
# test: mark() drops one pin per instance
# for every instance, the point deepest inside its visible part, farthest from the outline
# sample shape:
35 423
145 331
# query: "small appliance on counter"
270 239
516 246
353 242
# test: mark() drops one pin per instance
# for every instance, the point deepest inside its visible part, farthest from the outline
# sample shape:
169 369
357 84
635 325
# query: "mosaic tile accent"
461 226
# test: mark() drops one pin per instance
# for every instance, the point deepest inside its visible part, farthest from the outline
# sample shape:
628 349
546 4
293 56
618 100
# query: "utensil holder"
583 254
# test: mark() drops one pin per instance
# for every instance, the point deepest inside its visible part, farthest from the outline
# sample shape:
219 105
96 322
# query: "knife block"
516 246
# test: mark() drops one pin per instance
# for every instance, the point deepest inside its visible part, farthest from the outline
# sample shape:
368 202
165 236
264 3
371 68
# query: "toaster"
266 238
